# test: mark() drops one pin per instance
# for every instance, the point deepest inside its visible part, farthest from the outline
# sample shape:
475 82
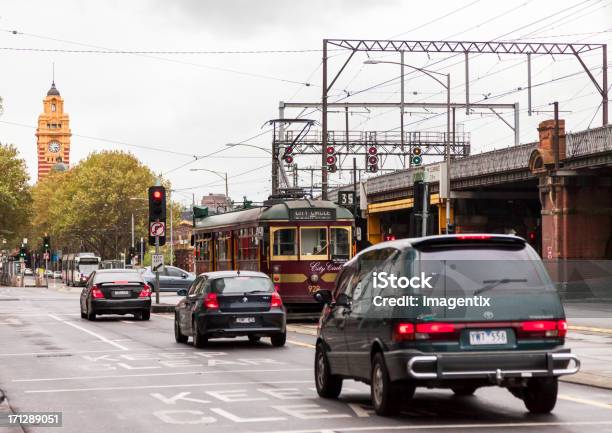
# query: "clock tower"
53 134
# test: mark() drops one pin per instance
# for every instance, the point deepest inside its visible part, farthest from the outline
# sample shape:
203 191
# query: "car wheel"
254 338
178 335
83 315
91 315
145 315
385 395
328 385
279 340
199 340
540 395
464 391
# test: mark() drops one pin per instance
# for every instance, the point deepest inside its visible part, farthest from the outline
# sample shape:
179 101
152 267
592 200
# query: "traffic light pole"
157 272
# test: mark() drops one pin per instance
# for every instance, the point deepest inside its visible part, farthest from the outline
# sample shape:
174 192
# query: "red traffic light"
157 195
288 159
372 160
331 160
330 149
372 150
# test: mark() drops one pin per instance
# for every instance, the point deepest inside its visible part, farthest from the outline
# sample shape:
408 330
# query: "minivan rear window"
514 281
111 277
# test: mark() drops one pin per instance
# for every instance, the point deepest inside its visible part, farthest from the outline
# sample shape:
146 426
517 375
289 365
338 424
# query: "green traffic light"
417 160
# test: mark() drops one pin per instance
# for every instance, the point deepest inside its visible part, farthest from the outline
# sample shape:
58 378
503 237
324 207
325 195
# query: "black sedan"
230 304
116 291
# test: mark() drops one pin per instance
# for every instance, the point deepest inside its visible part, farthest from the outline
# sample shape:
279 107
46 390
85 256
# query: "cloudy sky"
166 107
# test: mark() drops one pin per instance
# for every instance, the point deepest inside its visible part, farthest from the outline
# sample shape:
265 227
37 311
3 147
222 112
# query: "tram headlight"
314 278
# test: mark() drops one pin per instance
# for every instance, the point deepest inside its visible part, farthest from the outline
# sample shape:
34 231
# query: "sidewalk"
592 344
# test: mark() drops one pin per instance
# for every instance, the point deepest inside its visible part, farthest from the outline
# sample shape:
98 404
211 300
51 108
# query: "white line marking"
64 352
98 336
183 385
127 321
177 373
449 426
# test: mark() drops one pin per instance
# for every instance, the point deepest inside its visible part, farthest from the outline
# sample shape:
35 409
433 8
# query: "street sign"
157 228
346 198
157 262
432 173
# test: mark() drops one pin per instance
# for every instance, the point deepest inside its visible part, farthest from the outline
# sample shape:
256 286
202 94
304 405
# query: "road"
117 374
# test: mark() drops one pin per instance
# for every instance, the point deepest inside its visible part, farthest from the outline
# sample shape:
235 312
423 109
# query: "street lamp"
448 119
222 175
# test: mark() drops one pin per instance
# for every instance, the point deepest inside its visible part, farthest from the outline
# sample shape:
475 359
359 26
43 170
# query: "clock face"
54 147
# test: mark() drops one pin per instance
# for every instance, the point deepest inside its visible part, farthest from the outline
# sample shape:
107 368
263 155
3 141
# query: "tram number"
313 289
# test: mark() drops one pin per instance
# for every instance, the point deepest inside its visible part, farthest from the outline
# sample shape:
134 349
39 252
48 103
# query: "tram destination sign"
310 214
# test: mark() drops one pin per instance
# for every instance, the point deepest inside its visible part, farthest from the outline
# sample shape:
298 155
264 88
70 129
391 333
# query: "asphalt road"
121 375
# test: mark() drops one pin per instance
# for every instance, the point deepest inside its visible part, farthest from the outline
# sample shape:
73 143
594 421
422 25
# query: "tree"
15 198
89 208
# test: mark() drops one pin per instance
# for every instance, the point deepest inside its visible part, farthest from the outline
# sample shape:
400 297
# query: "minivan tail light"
545 328
211 302
403 331
96 293
145 292
425 331
276 301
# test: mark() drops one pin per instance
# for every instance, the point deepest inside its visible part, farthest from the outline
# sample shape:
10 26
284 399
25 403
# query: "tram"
301 244
77 267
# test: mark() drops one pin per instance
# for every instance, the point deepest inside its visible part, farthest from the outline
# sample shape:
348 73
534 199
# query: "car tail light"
434 330
145 292
474 237
543 328
276 301
96 292
211 302
403 331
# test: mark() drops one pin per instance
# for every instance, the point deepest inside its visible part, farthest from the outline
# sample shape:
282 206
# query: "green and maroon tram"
300 244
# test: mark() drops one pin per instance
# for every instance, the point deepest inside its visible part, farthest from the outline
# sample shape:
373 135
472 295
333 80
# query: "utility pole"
448 144
324 126
172 232
556 137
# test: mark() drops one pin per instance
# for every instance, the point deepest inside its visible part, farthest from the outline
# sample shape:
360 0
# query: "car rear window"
111 277
514 280
241 284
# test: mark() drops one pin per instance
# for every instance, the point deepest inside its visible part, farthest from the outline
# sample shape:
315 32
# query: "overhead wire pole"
324 126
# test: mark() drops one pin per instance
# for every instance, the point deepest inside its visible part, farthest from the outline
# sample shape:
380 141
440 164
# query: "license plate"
245 320
121 293
480 338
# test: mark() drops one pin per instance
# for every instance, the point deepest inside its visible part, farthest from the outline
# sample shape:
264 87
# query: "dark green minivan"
454 311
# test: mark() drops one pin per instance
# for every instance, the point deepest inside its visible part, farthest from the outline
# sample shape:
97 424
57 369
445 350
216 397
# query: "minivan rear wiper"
257 291
494 283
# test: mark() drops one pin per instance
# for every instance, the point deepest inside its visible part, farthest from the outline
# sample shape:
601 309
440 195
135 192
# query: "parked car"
57 274
171 278
516 342
28 271
230 304
116 291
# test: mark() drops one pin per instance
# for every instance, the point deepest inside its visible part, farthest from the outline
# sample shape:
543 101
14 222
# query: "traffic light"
22 252
46 243
416 157
157 214
372 159
331 159
418 195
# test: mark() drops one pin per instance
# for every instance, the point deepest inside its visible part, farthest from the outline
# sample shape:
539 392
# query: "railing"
589 142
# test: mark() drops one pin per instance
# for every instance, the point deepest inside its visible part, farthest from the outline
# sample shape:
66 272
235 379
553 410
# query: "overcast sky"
193 104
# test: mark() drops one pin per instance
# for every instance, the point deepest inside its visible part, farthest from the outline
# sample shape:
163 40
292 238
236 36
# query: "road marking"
98 336
127 321
590 329
448 426
585 401
63 352
299 343
176 373
164 316
184 385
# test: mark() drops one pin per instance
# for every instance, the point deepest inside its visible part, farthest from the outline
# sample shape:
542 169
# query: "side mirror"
343 300
322 296
181 292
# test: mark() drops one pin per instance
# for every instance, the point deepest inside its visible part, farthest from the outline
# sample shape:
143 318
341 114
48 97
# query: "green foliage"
15 198
89 208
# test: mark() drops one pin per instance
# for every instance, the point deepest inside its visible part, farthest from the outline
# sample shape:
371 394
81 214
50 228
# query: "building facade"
52 134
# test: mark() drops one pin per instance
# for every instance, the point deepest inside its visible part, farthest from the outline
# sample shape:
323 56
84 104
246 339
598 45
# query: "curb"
162 308
589 379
